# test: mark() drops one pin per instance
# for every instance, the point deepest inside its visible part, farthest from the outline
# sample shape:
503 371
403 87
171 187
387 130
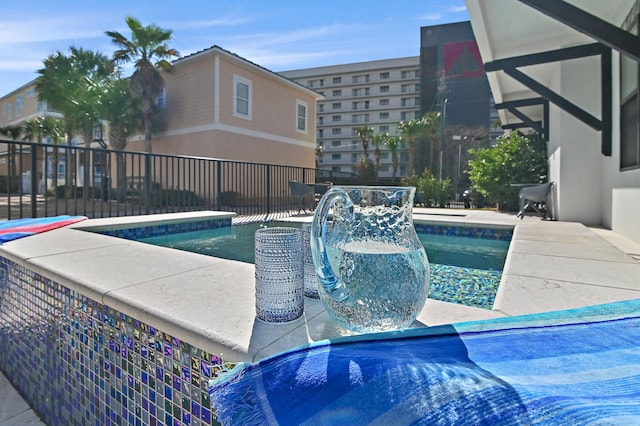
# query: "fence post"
34 180
268 188
219 184
147 182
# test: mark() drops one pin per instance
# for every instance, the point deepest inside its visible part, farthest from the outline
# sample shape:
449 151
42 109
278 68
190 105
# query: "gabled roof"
237 58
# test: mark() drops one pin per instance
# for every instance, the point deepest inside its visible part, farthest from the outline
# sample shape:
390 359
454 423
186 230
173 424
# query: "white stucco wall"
575 162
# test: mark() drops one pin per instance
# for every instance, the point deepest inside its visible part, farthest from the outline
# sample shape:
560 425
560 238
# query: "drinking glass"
279 274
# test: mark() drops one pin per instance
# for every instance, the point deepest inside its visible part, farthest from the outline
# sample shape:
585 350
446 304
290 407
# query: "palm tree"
393 143
411 130
149 50
14 133
36 129
54 84
365 134
122 112
377 140
72 85
431 122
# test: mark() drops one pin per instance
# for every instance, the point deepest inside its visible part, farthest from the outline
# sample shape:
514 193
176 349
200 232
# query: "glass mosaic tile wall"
78 362
136 233
464 231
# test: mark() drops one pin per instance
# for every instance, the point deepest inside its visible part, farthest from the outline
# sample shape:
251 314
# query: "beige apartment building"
378 94
217 105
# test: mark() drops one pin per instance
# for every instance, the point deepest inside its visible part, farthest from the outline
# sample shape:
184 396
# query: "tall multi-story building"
377 94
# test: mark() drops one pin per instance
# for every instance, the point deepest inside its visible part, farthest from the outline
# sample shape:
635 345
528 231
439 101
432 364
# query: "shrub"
366 171
229 198
173 197
430 191
513 160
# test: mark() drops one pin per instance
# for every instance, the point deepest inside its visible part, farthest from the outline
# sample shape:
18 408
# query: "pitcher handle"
333 287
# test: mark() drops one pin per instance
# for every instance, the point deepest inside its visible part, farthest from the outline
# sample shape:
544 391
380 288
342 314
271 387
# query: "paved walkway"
550 266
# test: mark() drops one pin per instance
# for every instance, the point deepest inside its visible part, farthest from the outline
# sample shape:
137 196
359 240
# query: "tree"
377 140
124 116
72 86
14 133
410 131
431 123
365 134
513 160
35 130
149 51
393 143
430 191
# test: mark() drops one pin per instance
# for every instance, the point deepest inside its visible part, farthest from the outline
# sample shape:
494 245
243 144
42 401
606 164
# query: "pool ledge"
209 302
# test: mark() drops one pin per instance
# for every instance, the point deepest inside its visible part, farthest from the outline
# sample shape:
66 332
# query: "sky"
279 35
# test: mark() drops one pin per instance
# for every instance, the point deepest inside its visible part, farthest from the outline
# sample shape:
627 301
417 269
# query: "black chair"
536 197
301 192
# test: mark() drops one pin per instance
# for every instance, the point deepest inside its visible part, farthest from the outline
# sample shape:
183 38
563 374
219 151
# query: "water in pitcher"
385 287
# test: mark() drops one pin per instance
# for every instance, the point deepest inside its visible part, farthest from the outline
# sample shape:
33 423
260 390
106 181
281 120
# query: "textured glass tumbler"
310 276
279 274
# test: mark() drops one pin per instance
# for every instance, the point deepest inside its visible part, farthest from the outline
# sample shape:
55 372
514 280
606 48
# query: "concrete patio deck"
550 266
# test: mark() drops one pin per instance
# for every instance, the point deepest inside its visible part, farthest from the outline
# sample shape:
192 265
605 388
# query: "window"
320 134
336 156
337 92
406 74
384 115
337 80
384 89
161 98
336 105
301 115
384 129
241 97
336 143
384 76
384 102
336 118
336 131
404 116
354 158
405 88
8 110
321 108
18 105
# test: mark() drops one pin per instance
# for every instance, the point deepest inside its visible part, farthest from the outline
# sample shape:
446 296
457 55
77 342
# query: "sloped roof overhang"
523 99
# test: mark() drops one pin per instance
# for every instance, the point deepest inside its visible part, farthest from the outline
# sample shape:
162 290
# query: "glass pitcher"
372 268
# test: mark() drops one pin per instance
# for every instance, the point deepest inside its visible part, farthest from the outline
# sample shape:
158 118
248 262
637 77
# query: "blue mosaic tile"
167 229
464 231
112 369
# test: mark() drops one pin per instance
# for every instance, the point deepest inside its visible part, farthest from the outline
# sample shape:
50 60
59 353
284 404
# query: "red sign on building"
462 59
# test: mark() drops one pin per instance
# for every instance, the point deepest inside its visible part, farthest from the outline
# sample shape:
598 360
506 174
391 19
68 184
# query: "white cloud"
457 9
45 29
431 17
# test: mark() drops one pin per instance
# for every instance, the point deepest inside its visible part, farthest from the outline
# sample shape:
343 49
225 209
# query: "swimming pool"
465 267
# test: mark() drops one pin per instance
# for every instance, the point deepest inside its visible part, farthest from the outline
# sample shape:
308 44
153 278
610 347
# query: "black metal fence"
39 180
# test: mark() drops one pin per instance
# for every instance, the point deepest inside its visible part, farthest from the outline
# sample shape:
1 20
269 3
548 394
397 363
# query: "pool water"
463 270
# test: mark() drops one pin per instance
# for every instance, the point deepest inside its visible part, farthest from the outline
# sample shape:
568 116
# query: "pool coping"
209 302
